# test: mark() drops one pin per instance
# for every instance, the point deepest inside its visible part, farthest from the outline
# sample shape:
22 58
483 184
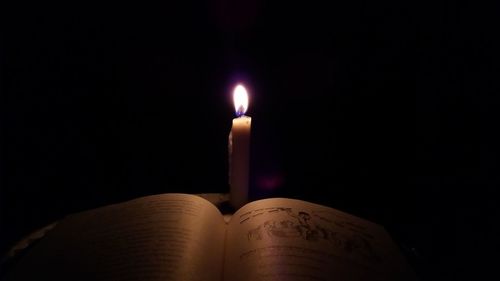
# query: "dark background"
383 110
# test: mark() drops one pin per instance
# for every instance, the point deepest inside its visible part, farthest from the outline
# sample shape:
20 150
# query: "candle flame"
240 97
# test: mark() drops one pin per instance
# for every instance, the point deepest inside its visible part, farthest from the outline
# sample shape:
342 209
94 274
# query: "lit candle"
239 149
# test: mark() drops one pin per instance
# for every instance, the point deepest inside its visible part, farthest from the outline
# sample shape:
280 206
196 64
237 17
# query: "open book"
185 237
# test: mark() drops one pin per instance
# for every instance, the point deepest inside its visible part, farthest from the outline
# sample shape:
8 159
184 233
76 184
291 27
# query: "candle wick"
240 111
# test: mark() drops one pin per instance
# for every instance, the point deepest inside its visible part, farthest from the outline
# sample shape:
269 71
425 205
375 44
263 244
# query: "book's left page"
159 237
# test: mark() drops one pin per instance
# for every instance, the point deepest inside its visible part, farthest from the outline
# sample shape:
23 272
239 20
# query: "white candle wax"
239 151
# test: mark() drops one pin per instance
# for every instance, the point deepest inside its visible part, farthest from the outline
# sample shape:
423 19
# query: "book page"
287 239
160 237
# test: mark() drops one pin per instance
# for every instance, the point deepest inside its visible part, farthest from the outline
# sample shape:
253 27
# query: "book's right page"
287 239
